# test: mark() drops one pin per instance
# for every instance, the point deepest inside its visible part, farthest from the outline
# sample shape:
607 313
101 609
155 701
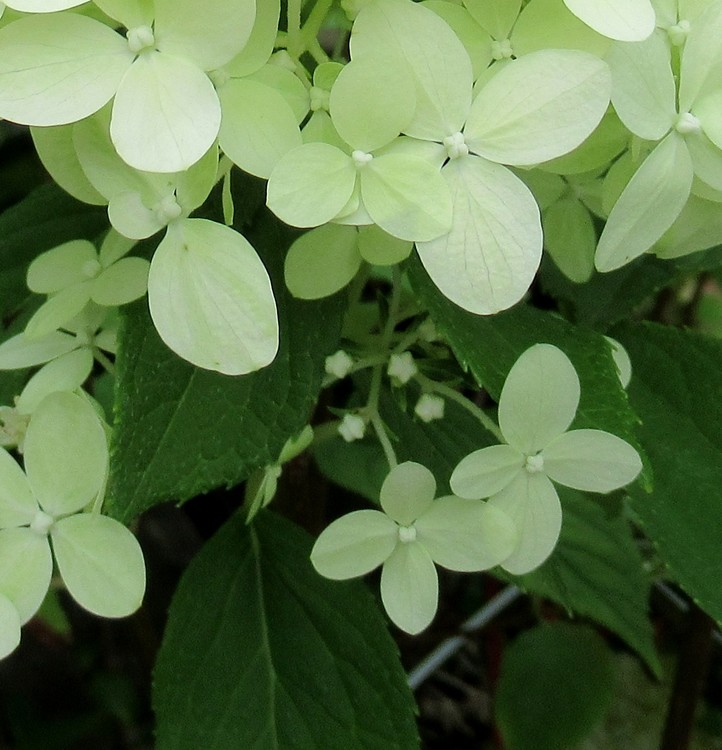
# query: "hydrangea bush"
318 229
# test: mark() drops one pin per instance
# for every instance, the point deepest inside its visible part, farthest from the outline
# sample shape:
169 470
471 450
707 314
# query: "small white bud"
352 427
501 50
361 158
456 146
339 364
42 523
402 368
407 534
140 38
429 407
427 331
687 123
319 99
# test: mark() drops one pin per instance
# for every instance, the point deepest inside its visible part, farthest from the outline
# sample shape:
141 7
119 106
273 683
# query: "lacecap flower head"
537 405
411 533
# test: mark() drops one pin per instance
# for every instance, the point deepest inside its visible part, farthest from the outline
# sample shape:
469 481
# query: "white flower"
429 407
352 427
413 532
537 405
339 364
401 368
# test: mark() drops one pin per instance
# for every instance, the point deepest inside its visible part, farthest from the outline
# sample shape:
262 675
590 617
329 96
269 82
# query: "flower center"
167 209
534 464
678 33
361 158
42 523
319 99
501 50
140 38
407 534
687 123
456 146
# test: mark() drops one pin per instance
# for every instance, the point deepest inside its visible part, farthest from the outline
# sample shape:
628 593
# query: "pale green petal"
101 564
61 267
547 188
59 309
490 256
701 58
372 100
260 44
288 85
194 185
539 107
466 535
208 35
66 373
486 471
42 6
166 114
706 157
496 16
616 179
709 110
591 460
320 129
475 39
322 261
407 492
129 12
25 569
533 504
410 587
570 238
644 93
438 61
621 360
57 153
625 20
9 627
121 283
130 216
258 126
311 184
433 153
406 197
56 69
66 453
18 505
19 351
648 206
354 544
698 227
211 299
539 398
113 248
549 24
380 248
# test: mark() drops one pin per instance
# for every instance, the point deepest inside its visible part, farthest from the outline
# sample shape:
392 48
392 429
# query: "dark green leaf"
675 389
261 652
181 431
556 684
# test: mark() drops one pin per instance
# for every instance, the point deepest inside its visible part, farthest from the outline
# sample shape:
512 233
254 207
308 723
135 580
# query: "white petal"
19 352
354 544
539 398
121 283
260 44
57 69
626 20
18 506
9 627
166 114
66 373
648 206
132 218
26 566
42 6
58 310
533 504
490 256
485 472
407 492
410 587
129 12
701 58
101 564
591 460
211 299
466 535
61 266
66 453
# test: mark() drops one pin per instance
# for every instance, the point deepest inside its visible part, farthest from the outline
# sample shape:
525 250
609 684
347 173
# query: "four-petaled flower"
413 532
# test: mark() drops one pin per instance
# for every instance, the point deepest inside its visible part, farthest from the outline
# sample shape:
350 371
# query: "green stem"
104 361
447 392
315 20
295 41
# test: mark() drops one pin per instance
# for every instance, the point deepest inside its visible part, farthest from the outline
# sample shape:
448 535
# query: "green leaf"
681 434
181 431
556 684
260 651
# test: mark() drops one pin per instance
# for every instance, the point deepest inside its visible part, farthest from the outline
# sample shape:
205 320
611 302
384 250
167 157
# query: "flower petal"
466 535
101 564
166 114
61 267
591 460
26 566
9 627
407 492
66 453
485 472
18 506
533 504
19 351
625 20
58 309
123 282
539 398
354 544
410 587
65 373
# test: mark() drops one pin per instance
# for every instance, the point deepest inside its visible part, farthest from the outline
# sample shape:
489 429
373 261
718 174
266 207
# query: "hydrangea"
411 533
537 405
